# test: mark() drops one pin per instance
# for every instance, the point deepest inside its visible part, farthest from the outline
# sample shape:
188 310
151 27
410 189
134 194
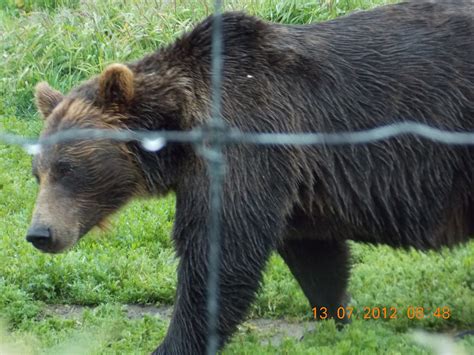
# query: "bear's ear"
47 98
116 85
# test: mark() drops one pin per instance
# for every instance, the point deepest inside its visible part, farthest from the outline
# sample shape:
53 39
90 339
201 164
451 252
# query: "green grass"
64 42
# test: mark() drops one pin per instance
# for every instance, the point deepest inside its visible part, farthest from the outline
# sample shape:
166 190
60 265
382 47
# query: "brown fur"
46 98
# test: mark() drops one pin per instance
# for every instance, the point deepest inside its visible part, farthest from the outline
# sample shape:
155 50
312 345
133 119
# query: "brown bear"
410 61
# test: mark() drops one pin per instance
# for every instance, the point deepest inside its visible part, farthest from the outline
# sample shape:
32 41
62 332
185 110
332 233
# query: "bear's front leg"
246 243
239 278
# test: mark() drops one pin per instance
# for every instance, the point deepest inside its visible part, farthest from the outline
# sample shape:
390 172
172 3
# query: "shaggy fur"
411 61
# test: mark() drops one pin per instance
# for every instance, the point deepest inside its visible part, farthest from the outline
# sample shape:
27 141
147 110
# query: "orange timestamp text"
411 312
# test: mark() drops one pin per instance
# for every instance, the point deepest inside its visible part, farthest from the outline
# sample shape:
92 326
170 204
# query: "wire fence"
210 140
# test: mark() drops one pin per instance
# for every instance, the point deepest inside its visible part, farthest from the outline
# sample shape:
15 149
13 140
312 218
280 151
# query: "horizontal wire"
154 140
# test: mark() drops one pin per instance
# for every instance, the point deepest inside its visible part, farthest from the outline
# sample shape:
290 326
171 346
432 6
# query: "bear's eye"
64 169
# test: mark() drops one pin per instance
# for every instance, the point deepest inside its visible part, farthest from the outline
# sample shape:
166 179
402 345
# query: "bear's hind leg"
322 270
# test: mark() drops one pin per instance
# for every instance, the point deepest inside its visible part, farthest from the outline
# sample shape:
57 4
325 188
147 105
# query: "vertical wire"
216 173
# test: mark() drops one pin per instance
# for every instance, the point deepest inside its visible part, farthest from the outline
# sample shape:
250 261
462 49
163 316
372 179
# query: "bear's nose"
39 236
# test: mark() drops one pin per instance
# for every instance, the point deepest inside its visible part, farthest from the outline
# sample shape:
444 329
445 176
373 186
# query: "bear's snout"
40 237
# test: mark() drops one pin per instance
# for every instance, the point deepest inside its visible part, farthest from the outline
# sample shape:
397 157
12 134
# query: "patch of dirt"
64 310
275 330
135 311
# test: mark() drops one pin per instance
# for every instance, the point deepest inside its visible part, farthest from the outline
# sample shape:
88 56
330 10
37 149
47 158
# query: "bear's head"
82 182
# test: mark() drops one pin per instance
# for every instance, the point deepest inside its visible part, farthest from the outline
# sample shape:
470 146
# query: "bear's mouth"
50 249
47 246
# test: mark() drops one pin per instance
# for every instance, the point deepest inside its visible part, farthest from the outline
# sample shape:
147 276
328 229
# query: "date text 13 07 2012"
411 312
